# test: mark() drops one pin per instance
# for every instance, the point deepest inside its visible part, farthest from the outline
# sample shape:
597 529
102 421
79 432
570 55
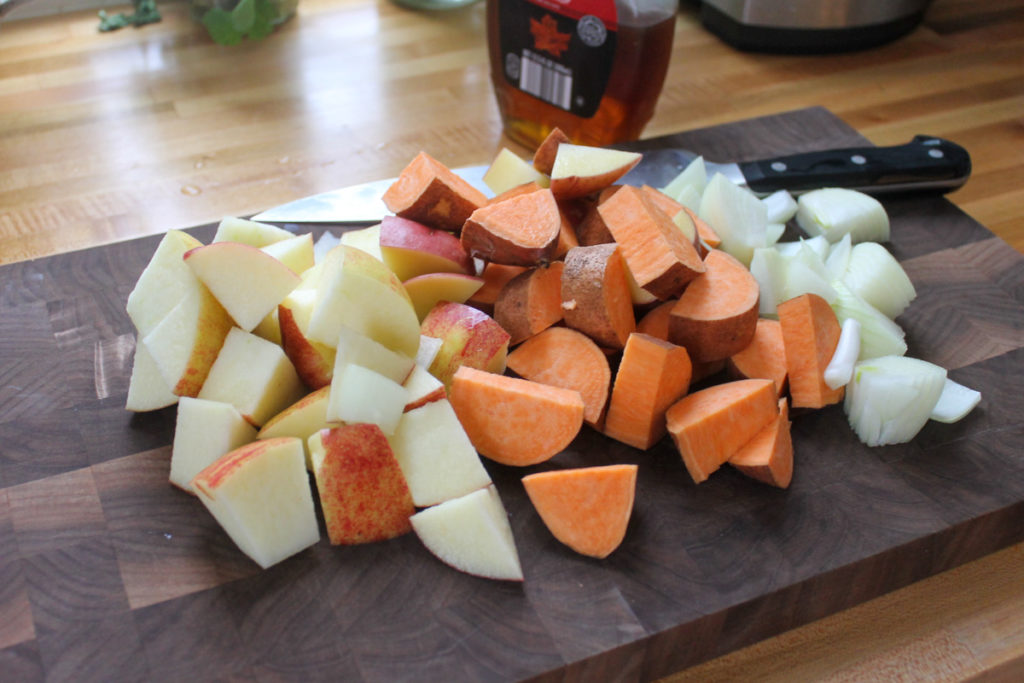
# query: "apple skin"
581 170
468 337
410 248
313 361
362 490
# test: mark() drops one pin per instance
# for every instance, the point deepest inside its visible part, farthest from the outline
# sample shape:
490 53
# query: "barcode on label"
544 79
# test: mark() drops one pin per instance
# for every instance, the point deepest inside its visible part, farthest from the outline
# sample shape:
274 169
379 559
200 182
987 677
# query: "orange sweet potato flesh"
663 261
522 230
717 314
595 295
588 508
429 192
544 157
565 358
514 421
495 277
710 425
655 321
653 374
530 302
768 456
764 356
810 333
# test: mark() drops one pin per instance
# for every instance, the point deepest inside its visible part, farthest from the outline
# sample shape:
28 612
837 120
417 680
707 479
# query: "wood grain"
105 137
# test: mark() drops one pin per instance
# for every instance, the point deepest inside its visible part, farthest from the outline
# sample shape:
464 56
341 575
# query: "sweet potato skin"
530 302
495 233
595 295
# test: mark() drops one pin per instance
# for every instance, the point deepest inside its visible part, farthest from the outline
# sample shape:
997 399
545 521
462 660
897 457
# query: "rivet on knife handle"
924 163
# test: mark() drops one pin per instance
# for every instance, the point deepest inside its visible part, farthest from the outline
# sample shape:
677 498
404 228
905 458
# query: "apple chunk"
295 252
362 490
468 337
509 170
147 388
426 291
356 290
359 394
435 454
358 349
204 431
248 282
301 419
253 375
472 534
410 248
580 170
260 494
163 282
253 233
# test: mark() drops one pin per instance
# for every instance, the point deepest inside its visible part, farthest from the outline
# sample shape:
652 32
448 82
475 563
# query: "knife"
926 163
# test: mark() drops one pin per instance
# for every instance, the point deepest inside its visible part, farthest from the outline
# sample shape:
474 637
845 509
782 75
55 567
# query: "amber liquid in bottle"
638 73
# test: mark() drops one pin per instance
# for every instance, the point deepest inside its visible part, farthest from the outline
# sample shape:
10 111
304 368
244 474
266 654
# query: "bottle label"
559 51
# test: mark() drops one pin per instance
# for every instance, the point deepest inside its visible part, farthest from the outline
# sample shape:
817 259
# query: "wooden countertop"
105 137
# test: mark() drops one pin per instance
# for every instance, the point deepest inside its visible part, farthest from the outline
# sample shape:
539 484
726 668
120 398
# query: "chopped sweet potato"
544 157
810 333
595 295
653 374
495 276
588 508
429 192
530 302
565 358
764 356
661 259
717 314
591 228
520 231
768 456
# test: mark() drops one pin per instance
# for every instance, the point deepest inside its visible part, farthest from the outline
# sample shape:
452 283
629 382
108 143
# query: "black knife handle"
924 163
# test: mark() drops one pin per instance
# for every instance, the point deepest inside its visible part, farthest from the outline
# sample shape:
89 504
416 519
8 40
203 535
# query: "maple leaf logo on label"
546 36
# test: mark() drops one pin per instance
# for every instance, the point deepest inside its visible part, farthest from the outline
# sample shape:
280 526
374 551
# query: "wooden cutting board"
109 573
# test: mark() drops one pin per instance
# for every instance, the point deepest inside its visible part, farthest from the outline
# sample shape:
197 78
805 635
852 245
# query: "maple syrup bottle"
593 68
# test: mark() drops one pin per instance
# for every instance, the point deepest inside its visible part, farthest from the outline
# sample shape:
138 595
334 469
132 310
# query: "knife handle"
924 163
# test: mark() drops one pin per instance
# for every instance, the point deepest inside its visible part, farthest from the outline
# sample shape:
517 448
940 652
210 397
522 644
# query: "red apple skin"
469 337
221 469
362 490
435 395
402 233
314 368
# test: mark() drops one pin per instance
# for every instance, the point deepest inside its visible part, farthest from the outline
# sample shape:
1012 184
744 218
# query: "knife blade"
926 163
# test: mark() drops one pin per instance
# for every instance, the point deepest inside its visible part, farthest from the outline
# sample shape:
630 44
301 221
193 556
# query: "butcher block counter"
109 139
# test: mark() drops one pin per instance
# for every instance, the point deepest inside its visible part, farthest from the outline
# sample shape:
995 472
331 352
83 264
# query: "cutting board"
109 573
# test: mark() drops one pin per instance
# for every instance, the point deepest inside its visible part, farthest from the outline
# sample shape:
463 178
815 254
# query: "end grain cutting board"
109 573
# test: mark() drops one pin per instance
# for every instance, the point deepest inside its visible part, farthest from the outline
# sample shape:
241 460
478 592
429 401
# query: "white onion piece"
695 176
769 269
806 274
780 205
839 257
839 370
876 276
689 197
834 212
890 398
879 334
736 215
819 244
955 402
772 233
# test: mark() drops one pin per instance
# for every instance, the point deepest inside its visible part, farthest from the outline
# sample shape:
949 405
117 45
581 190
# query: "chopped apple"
422 388
362 490
253 375
426 291
581 170
269 328
163 283
147 388
260 494
358 349
509 170
301 419
185 344
468 337
366 239
435 454
359 394
358 291
410 248
248 282
472 534
204 431
313 361
254 234
429 346
295 252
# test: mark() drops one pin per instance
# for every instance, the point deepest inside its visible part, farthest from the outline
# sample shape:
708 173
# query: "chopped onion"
689 197
834 212
819 244
890 398
768 267
806 273
879 334
781 206
694 176
840 369
839 258
955 402
736 215
876 276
